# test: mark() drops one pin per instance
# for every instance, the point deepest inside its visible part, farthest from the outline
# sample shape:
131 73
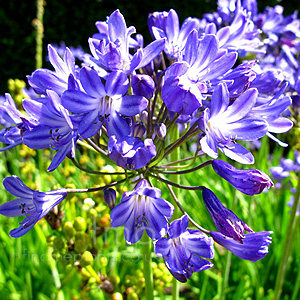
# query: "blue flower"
254 247
129 152
225 123
183 248
99 103
225 220
42 80
111 52
53 127
166 25
187 80
142 209
34 205
249 182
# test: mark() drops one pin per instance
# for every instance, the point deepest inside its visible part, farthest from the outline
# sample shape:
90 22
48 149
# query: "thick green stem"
147 249
287 243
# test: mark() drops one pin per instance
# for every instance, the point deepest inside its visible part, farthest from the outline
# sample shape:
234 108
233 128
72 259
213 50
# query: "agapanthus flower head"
183 250
249 181
225 220
142 209
254 247
34 205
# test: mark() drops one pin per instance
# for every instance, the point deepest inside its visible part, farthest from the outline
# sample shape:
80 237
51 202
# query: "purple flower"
143 85
183 248
103 103
249 182
52 127
34 205
142 209
112 52
254 246
186 81
42 80
130 152
225 123
225 220
166 25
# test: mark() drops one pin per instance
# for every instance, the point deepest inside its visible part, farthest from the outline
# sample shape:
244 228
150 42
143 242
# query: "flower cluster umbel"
134 97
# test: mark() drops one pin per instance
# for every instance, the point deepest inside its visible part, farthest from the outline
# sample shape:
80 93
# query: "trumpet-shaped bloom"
183 250
53 127
101 103
225 220
42 80
249 182
34 205
254 247
112 51
225 123
187 80
142 209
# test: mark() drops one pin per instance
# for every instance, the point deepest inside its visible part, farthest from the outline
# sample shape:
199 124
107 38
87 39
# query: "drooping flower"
142 209
249 182
225 220
183 250
254 246
225 123
34 205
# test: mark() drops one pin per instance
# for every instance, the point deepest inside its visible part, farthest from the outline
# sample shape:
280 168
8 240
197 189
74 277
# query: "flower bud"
110 195
68 230
80 224
225 220
139 130
144 117
249 182
143 85
161 131
87 259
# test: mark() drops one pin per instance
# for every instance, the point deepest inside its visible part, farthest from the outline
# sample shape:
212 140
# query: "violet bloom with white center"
42 80
169 28
34 205
254 247
101 103
186 81
53 127
271 110
112 52
183 250
129 152
249 182
142 209
225 123
225 220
